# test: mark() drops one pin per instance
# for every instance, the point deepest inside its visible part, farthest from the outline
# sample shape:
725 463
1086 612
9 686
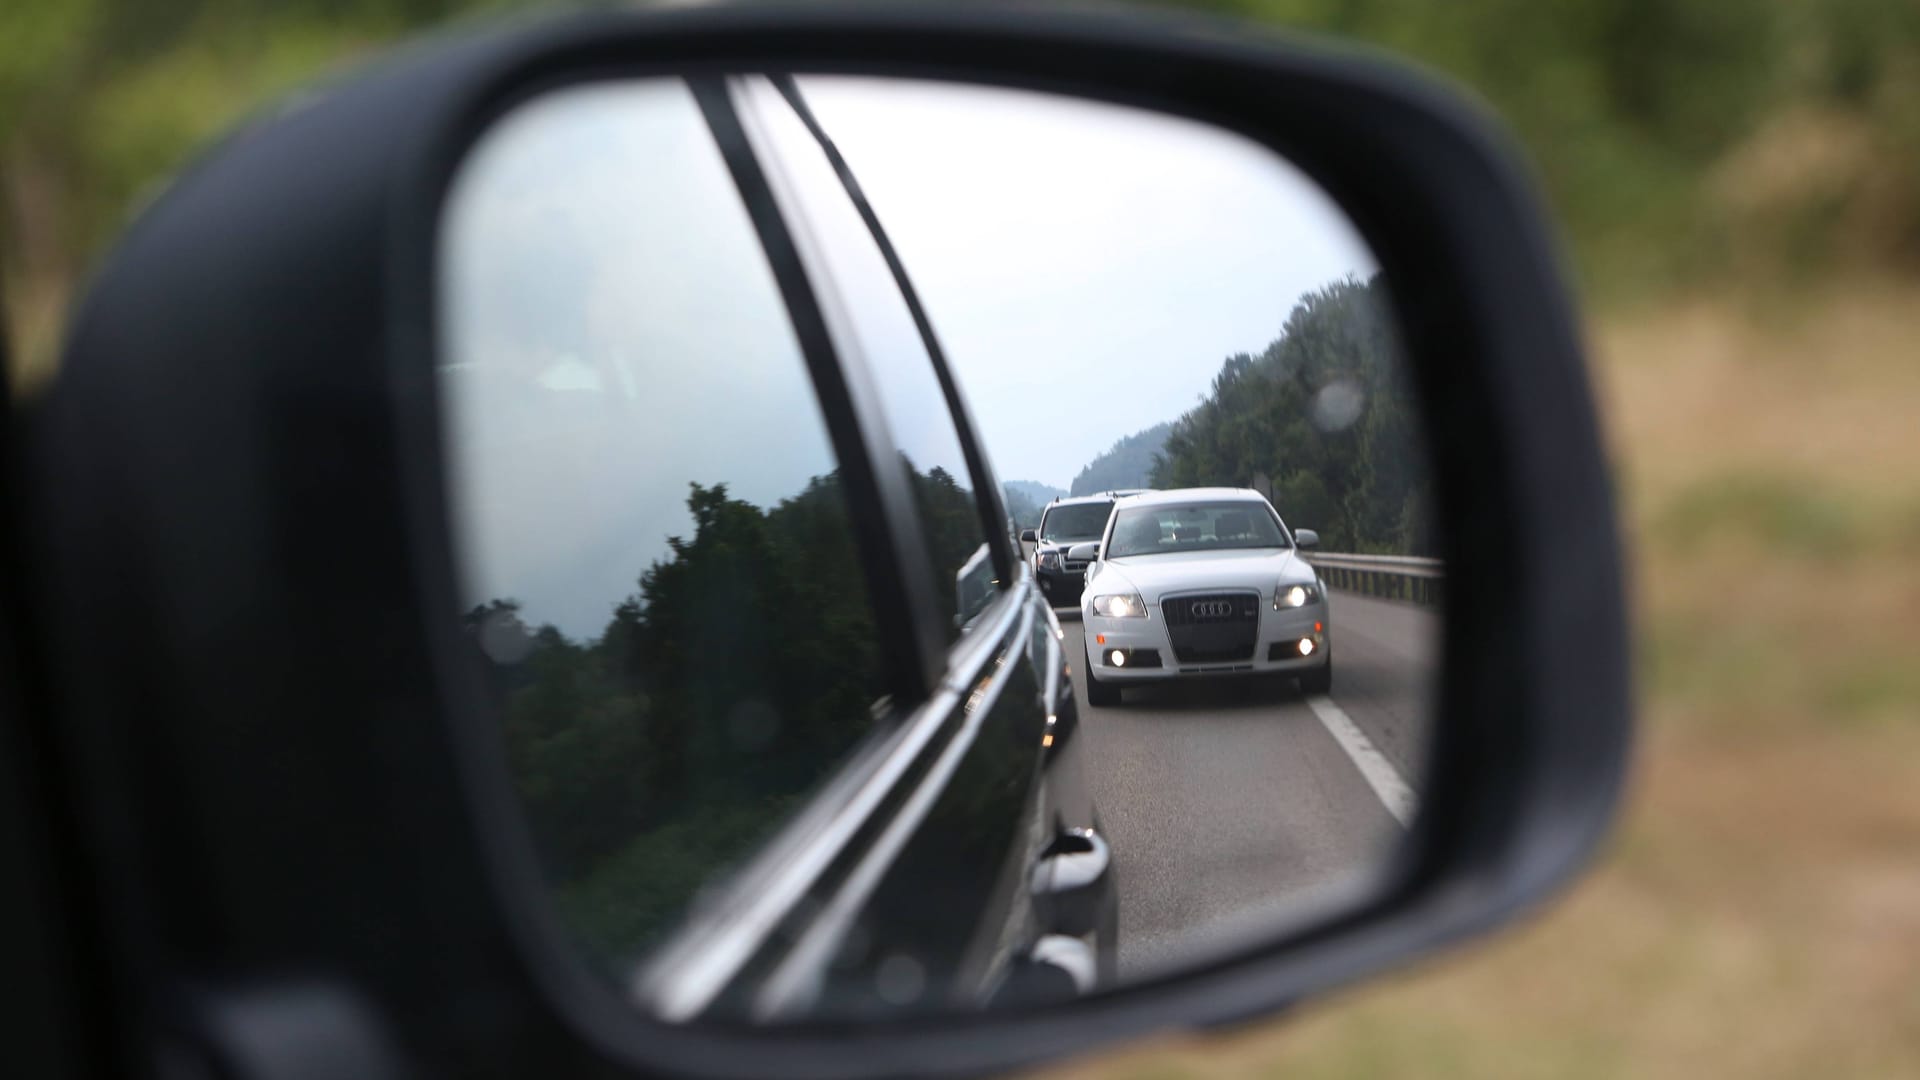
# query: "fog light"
1306 646
1119 658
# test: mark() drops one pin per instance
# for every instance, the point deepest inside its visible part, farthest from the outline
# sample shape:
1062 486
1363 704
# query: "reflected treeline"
1326 415
740 673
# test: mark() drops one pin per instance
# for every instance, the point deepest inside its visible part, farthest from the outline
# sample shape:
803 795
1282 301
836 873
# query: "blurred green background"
1739 186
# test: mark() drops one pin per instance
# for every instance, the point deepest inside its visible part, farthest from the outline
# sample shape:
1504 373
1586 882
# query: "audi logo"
1212 609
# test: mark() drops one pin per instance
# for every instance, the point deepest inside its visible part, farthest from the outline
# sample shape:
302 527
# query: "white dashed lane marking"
1381 776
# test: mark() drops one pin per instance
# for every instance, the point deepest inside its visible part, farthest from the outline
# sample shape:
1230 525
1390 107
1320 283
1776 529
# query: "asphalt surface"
1232 807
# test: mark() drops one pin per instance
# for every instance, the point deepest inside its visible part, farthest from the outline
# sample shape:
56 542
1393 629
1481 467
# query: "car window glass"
916 410
1152 530
657 564
1083 521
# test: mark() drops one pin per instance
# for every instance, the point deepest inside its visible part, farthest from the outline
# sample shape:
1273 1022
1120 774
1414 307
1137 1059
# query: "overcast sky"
613 332
1087 266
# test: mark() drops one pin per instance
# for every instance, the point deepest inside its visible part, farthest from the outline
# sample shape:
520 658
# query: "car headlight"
1049 560
1120 606
1287 596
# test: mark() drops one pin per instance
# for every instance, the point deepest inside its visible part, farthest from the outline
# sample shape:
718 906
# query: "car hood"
1153 576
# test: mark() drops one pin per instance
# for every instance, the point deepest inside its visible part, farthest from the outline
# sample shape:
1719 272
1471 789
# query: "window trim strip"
878 501
986 487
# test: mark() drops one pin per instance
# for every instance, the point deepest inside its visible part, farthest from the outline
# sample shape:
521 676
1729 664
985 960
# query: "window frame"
803 860
989 504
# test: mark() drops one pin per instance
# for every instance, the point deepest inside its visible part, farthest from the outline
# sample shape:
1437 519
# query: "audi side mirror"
529 589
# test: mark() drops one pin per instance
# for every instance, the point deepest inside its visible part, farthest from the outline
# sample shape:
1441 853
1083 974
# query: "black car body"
886 851
1066 541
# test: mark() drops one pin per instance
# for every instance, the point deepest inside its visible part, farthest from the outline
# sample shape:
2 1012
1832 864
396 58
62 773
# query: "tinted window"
658 567
1153 530
1085 521
916 409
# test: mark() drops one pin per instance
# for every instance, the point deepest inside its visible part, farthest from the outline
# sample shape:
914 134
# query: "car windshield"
1081 521
1175 527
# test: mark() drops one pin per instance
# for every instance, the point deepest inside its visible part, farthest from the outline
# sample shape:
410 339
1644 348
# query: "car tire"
1099 694
1319 680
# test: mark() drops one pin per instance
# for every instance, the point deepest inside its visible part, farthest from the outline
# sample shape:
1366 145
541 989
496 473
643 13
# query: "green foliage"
952 525
622 903
1648 120
1127 463
109 97
736 678
1325 417
103 101
1678 142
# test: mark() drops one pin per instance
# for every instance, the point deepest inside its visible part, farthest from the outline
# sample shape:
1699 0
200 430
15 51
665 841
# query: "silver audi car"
1201 583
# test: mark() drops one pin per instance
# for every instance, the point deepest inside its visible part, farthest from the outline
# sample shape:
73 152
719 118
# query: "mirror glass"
928 546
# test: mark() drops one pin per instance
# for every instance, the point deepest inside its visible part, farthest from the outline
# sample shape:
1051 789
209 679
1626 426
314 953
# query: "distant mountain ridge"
1128 463
1035 490
1025 500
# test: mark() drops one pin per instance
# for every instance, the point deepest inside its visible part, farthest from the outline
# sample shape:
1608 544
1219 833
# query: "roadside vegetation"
1323 421
652 756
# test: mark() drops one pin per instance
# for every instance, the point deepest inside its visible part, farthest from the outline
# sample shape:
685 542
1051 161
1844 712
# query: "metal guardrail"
1395 577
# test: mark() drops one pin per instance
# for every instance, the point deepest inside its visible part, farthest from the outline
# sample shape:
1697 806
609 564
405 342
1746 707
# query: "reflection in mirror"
929 546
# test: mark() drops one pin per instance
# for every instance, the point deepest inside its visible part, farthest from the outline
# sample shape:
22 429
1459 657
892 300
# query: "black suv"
1065 542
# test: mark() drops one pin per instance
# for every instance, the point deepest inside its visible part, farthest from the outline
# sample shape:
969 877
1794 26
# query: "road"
1233 806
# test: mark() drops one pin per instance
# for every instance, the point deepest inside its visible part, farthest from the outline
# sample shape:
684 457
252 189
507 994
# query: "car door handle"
1070 881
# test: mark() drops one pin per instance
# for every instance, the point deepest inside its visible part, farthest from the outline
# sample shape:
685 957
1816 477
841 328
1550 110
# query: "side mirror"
1306 538
582 489
973 587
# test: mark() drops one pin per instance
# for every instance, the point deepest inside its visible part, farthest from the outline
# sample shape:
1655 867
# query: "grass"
1758 912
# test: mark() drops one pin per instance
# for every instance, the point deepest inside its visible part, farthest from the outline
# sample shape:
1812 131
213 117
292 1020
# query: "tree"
1325 411
740 672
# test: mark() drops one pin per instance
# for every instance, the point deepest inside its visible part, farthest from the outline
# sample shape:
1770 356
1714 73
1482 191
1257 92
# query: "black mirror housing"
268 539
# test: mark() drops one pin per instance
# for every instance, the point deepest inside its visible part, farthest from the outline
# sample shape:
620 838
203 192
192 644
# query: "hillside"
1035 490
1127 463
1025 500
